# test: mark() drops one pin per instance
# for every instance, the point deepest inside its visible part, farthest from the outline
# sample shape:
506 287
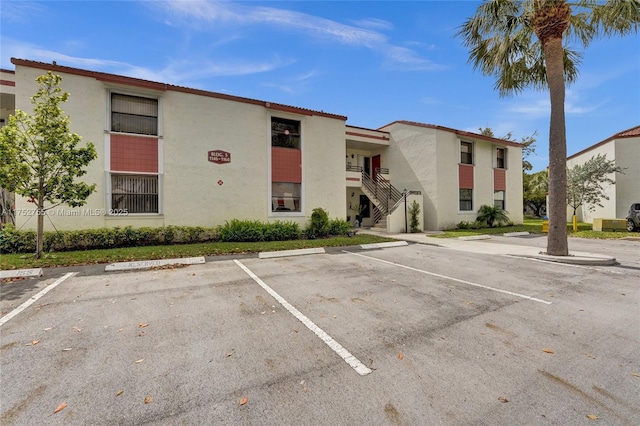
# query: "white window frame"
472 200
504 158
140 94
473 152
107 148
270 211
504 198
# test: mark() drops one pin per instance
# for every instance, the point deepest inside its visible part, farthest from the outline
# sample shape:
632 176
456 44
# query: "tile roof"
457 132
120 79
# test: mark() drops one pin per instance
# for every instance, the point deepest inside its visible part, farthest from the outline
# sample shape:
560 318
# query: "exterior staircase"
384 196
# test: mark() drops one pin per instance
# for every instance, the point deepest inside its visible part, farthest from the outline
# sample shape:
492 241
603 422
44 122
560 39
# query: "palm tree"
521 43
492 216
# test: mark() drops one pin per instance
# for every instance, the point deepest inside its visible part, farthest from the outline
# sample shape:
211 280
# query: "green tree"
586 182
534 190
39 155
521 43
414 218
492 216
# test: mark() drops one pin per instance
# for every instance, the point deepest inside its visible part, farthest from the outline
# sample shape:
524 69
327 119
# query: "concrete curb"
285 253
16 273
515 234
475 237
383 245
577 259
147 264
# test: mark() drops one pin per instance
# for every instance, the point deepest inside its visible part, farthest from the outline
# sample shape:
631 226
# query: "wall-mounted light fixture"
351 155
353 194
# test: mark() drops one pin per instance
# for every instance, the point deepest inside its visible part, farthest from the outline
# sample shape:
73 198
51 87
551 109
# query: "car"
633 218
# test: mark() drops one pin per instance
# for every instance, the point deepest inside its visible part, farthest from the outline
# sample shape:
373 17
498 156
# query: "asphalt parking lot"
401 336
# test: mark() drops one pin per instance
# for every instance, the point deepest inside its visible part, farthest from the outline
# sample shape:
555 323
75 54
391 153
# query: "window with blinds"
466 153
500 158
134 114
134 193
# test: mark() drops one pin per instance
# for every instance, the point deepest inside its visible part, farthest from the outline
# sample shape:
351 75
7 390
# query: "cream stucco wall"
324 172
411 159
426 159
399 222
626 154
190 126
608 209
627 183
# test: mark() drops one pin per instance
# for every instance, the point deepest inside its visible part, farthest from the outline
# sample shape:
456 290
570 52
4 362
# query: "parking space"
406 335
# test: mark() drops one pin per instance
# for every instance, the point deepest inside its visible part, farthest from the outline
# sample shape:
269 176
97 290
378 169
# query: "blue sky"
373 61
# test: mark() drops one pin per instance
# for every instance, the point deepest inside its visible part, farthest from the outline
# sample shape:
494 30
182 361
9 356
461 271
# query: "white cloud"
17 49
300 83
539 105
176 72
373 23
331 31
20 11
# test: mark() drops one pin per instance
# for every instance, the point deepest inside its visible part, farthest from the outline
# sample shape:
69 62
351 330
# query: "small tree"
39 158
586 182
414 220
319 225
534 190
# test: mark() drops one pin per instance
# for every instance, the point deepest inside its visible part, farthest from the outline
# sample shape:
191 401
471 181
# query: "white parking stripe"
523 296
337 347
33 299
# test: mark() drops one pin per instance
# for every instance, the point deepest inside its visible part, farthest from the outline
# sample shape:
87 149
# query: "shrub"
281 231
253 230
464 225
492 216
14 241
242 231
414 221
318 227
338 227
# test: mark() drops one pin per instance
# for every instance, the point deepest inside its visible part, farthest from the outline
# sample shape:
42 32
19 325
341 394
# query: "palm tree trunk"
557 243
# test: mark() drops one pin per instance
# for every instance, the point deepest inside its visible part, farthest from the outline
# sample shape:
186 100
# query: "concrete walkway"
488 244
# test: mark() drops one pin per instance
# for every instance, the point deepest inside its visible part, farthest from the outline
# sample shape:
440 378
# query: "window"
466 200
466 152
285 133
285 197
498 199
500 158
134 114
134 193
286 165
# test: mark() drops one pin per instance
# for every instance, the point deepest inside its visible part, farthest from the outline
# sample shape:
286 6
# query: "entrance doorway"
375 165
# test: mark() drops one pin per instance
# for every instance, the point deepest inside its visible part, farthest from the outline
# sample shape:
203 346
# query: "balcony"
354 176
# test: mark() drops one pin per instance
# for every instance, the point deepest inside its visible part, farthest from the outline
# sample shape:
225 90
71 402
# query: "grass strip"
534 226
126 254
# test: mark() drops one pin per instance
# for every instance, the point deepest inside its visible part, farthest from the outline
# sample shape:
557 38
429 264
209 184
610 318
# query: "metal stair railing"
385 197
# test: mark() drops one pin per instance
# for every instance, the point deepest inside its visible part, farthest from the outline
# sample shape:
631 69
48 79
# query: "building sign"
219 157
